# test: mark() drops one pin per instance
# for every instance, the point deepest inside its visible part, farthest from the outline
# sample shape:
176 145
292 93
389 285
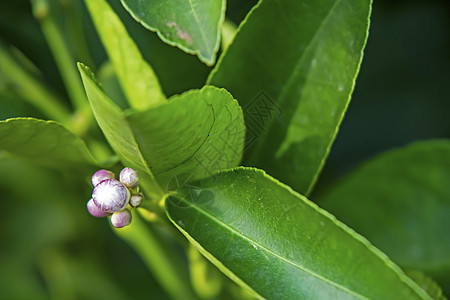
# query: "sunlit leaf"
280 245
292 66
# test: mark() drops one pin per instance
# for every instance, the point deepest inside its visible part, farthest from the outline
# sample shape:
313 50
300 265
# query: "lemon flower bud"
101 175
121 218
129 177
110 195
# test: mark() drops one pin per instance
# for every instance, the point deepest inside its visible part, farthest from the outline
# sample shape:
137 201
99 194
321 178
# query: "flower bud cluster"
112 196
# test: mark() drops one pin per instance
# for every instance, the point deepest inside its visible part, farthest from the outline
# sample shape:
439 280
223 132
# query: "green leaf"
400 201
116 129
109 82
136 77
197 133
46 143
427 284
294 80
280 245
191 25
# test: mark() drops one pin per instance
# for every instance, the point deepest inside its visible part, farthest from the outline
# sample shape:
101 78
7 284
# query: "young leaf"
115 127
197 133
294 80
280 245
46 143
400 201
193 26
136 77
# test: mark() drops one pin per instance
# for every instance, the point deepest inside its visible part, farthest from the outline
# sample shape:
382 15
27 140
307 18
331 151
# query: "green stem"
61 54
31 90
158 257
228 32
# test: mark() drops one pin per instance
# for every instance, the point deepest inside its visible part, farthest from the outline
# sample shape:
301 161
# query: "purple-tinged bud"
101 175
129 177
95 211
110 195
121 218
136 200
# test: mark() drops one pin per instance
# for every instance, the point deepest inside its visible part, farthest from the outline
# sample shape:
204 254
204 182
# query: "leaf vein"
302 268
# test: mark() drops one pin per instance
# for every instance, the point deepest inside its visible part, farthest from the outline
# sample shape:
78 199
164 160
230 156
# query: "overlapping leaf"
112 122
280 245
137 78
194 135
294 80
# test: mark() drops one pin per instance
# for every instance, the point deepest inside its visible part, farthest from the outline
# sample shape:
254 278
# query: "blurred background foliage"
49 245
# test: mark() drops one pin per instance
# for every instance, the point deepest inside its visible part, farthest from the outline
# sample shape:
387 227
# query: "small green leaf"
46 143
136 77
194 135
280 245
192 25
115 127
197 133
294 80
400 201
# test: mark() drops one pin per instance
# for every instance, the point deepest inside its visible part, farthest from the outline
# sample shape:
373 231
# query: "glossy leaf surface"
400 201
294 80
45 142
197 133
280 245
112 121
137 78
192 25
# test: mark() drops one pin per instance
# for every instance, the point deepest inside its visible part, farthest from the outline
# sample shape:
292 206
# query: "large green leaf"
294 80
45 142
196 134
280 245
192 25
137 78
400 201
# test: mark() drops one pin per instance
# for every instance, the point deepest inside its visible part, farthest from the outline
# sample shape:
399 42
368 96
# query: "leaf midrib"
253 242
